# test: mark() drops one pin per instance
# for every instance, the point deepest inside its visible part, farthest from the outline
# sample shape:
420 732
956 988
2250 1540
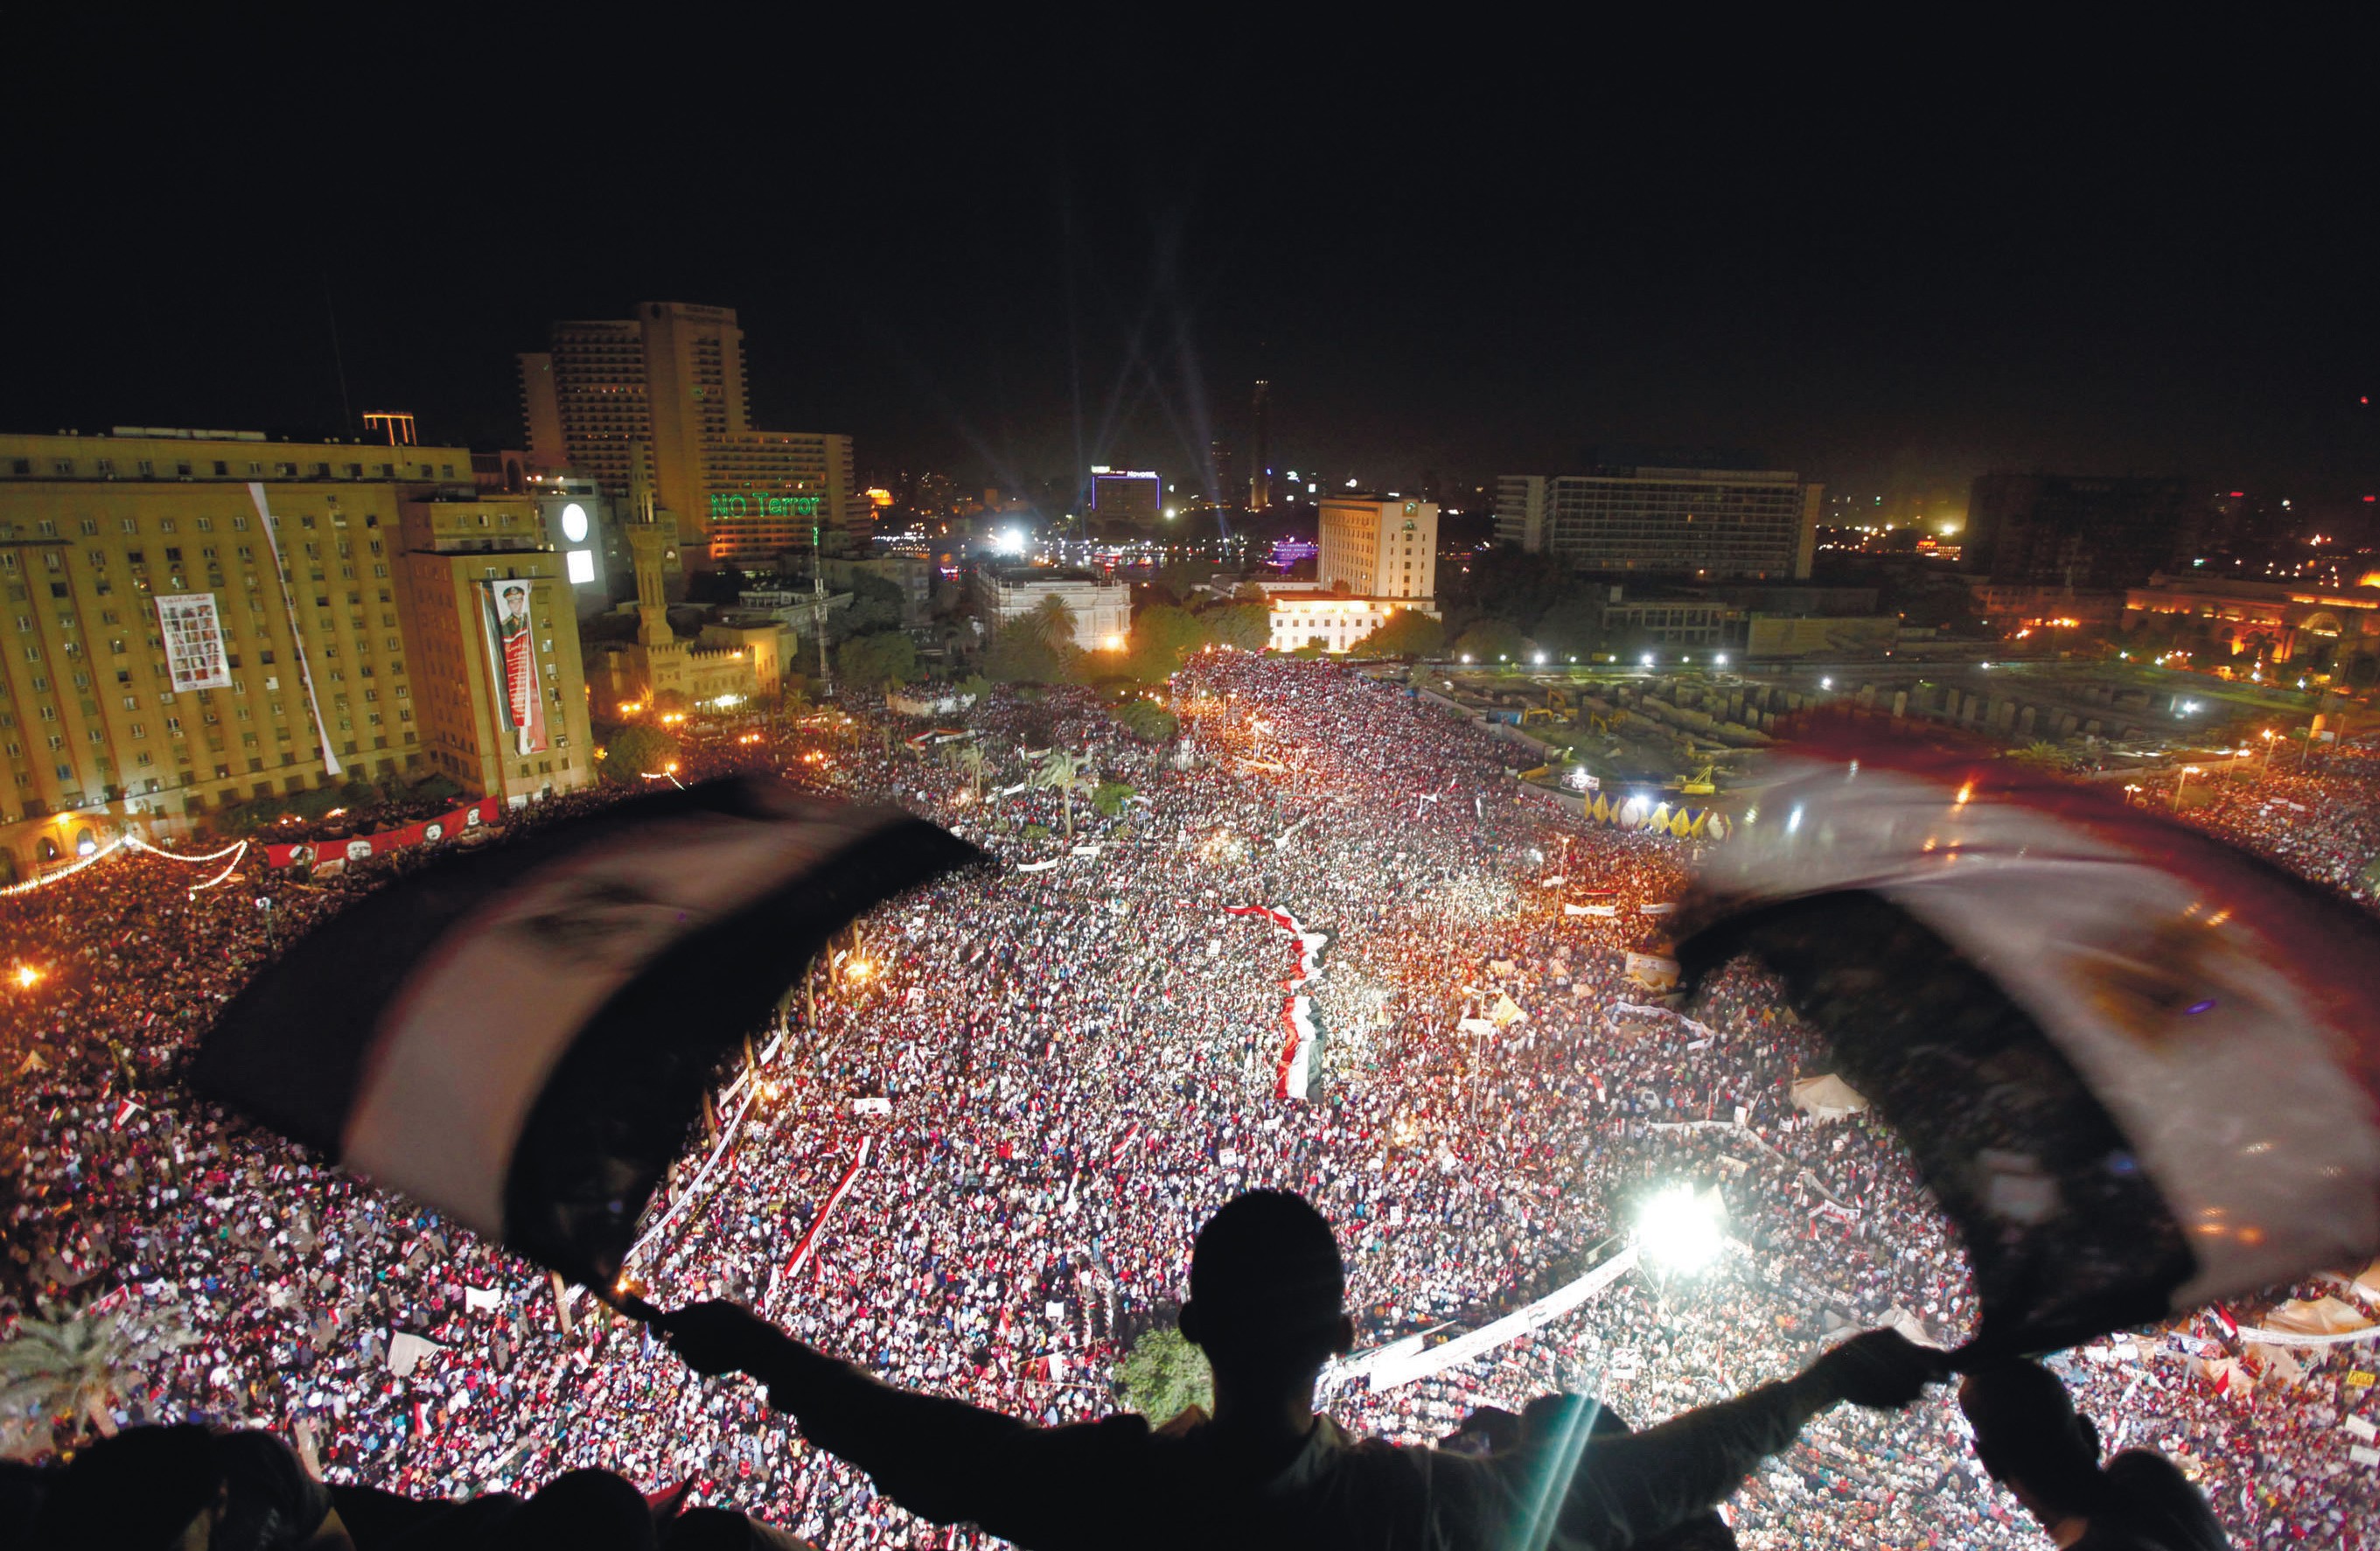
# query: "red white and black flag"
521 1036
2138 1068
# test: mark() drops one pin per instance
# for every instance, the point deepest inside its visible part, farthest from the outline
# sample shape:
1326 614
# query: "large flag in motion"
2136 1067
521 1036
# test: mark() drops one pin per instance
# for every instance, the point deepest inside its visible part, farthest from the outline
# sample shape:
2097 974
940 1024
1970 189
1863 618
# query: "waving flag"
2136 1067
521 1036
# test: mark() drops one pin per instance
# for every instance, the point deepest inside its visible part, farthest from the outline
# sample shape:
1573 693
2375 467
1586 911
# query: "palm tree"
1052 621
72 1365
970 764
1066 774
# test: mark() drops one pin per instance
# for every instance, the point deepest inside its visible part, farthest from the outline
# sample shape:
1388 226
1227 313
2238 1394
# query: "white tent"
1827 1097
2317 1316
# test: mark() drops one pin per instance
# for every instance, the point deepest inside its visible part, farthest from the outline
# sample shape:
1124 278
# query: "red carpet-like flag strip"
801 1255
1294 1071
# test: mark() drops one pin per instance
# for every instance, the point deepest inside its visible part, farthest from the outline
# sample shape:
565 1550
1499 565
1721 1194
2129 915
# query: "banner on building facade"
194 643
512 662
357 848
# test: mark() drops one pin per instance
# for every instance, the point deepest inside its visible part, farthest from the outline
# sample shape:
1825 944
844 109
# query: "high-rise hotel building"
191 620
659 401
1710 523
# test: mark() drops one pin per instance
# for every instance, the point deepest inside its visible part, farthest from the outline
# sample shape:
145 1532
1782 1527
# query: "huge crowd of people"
1037 1078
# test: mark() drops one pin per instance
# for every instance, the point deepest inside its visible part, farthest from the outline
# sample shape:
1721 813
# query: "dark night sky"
1482 268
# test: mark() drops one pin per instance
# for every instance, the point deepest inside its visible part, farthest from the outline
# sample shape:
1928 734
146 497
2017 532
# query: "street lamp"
2268 748
2183 781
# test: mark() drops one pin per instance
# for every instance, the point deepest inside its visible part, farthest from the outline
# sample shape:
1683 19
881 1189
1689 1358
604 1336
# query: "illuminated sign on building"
765 505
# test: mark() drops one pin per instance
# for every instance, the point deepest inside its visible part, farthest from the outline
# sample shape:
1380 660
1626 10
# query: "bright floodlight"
1678 1229
1011 541
1541 659
1648 660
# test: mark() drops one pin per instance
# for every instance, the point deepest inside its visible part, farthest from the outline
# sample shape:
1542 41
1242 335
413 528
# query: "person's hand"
1883 1370
721 1338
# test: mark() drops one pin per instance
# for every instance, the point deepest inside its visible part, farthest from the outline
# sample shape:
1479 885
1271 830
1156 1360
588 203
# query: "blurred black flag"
521 1036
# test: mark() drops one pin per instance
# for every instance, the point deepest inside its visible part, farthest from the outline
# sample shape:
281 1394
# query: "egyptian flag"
521 1036
2136 1067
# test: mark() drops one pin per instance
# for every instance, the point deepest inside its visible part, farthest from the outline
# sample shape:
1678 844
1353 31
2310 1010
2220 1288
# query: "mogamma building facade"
191 620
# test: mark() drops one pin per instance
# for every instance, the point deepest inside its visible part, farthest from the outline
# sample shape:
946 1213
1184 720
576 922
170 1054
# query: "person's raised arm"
1617 1490
941 1459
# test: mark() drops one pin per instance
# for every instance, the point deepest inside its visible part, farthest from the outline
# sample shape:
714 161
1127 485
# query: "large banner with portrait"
319 854
194 641
512 659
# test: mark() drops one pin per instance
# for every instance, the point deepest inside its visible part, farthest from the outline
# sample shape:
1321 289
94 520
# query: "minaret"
1260 466
648 543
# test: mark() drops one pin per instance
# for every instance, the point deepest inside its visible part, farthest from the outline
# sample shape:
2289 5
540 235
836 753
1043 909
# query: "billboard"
194 642
1770 636
511 664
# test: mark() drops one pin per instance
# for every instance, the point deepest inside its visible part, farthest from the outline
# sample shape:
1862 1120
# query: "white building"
1305 615
1380 546
1102 609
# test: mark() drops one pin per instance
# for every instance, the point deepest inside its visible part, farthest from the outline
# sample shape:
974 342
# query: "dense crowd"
1059 1067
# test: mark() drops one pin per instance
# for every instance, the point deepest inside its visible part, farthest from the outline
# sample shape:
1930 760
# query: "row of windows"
217 468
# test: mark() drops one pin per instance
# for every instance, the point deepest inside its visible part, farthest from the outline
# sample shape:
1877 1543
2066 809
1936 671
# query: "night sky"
1001 265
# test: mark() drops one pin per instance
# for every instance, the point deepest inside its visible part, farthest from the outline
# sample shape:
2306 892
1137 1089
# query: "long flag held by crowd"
521 1036
1293 1070
2136 1067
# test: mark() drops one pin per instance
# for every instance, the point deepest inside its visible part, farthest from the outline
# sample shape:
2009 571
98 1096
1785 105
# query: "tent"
2317 1317
1827 1097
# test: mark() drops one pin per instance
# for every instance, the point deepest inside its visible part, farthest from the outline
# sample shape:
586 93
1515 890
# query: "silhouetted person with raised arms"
1266 1285
2031 1439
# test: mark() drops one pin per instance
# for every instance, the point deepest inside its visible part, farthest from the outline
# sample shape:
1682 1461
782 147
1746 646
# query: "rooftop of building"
1042 575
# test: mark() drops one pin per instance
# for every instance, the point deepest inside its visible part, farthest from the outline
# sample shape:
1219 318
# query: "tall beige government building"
1376 557
194 619
659 402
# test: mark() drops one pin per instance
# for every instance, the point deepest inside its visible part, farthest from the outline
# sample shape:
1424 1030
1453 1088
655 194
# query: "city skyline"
2108 286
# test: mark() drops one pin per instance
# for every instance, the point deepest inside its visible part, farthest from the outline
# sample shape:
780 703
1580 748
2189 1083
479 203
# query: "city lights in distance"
1678 1228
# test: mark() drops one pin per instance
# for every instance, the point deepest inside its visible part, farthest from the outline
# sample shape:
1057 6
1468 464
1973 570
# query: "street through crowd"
1056 1074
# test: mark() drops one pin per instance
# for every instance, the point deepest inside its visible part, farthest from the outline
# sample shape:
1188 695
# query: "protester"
1266 1289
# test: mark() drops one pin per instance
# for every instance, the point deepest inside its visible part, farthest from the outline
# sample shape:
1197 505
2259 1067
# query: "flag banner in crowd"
522 1036
2137 1067
1294 1071
804 1246
356 848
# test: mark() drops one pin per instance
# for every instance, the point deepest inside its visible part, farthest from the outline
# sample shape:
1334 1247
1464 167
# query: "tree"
1244 625
1408 633
1164 1374
1571 626
635 752
1147 721
1021 653
1066 774
1052 621
1490 640
1162 636
72 1365
1110 796
880 661
970 763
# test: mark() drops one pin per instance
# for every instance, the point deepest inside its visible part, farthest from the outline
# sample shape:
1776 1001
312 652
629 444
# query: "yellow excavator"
1698 784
